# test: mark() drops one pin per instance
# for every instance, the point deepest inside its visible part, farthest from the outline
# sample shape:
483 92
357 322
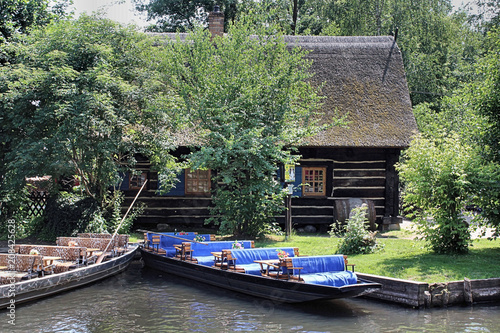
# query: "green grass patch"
405 258
135 237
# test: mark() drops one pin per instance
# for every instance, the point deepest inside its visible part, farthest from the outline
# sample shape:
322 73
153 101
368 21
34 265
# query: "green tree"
435 172
22 15
81 99
472 112
250 101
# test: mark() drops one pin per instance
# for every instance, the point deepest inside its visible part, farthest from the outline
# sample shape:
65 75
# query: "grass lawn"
405 258
402 257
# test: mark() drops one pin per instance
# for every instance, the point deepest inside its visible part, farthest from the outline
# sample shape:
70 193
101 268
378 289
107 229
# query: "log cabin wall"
353 175
174 208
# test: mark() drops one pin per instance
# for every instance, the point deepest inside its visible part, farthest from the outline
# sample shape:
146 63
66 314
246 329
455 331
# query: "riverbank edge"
420 295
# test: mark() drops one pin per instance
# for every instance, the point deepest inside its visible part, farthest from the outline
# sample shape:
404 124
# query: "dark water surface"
144 300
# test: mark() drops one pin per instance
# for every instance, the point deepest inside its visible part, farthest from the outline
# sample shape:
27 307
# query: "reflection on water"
144 300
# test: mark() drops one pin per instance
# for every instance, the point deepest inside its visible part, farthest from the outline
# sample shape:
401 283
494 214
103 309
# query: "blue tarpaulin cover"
176 234
245 258
248 256
203 253
215 246
324 270
315 264
167 243
335 279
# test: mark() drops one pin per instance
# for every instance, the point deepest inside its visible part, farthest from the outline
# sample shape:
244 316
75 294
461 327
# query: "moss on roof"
364 78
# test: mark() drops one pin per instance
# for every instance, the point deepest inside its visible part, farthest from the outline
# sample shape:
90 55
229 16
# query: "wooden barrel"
343 209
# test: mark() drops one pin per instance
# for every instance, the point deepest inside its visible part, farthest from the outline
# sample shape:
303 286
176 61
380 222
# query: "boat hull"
274 289
36 288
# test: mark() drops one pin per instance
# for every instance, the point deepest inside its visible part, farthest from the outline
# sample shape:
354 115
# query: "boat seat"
347 264
122 239
226 260
284 270
91 259
167 243
20 265
183 251
71 256
64 266
246 258
100 244
202 253
155 242
7 277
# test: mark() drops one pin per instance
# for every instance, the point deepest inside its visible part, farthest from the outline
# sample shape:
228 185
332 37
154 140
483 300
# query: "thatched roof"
364 78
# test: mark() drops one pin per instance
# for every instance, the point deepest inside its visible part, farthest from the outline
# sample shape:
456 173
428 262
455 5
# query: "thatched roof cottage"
363 77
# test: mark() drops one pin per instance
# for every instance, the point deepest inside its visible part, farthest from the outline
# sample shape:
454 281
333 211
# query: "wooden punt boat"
38 287
277 290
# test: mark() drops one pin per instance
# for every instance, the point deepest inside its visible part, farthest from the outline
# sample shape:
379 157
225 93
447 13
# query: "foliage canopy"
249 100
78 100
437 186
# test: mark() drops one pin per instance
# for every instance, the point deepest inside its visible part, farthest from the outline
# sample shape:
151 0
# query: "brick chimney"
216 22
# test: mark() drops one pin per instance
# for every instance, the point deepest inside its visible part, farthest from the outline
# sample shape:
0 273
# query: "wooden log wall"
366 174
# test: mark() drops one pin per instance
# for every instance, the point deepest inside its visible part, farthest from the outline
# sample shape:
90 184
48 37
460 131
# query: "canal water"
145 300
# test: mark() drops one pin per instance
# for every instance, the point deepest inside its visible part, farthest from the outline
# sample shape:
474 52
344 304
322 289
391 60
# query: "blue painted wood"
298 180
179 190
297 192
126 181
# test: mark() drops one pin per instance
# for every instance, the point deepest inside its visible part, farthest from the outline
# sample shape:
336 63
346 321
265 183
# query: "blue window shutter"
298 180
179 189
125 181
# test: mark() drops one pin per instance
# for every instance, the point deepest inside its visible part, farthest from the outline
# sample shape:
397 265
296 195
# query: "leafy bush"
357 239
246 211
447 235
112 214
67 214
437 174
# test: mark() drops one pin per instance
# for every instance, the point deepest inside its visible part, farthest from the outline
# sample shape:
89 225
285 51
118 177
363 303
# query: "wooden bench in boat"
278 268
122 240
224 260
70 256
155 244
203 254
19 266
244 260
98 245
183 251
